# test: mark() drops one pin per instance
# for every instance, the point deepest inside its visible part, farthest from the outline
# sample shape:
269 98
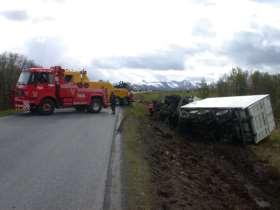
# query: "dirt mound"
206 175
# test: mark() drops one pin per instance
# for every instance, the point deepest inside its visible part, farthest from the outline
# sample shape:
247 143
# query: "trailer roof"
225 102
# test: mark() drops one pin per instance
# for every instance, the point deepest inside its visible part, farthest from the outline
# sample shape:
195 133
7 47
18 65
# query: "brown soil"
188 174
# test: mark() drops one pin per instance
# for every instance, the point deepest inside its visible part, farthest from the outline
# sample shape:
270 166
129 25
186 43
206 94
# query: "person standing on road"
113 102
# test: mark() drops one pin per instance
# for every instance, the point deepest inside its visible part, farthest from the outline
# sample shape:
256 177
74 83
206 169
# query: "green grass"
137 110
269 149
275 137
136 169
6 112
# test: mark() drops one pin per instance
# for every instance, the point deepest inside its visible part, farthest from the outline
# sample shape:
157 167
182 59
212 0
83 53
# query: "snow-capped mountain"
171 85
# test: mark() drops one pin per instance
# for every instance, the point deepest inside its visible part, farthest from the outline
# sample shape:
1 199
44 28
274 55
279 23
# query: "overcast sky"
145 40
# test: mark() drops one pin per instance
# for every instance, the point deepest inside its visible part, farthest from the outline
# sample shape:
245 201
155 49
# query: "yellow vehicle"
124 96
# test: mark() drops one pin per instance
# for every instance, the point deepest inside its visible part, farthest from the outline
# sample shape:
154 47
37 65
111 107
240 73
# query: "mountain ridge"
165 85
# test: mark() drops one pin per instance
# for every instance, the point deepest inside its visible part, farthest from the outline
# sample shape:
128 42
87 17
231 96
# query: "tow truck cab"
44 89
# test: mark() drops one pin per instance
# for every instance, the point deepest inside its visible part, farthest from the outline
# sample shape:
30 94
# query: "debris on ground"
169 110
191 172
188 174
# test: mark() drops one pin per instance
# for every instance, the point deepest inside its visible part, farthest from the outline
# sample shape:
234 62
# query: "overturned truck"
168 111
247 119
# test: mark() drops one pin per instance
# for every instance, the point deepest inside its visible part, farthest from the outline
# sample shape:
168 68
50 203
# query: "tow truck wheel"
33 109
95 105
46 107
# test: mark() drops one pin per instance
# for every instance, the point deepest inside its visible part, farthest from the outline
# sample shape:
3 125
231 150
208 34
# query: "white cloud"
74 33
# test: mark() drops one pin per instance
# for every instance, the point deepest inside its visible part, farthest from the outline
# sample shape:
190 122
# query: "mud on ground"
192 174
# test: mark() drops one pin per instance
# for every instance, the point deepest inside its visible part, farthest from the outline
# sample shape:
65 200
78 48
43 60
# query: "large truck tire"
46 107
95 105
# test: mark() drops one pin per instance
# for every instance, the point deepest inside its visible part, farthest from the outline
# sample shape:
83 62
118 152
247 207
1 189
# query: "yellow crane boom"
124 96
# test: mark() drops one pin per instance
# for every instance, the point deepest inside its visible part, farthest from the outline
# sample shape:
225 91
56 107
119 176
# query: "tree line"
11 64
239 82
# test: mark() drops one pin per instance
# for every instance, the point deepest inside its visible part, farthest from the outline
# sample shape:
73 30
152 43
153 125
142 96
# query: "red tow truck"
43 90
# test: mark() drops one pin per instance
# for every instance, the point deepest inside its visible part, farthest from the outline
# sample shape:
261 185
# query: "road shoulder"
136 177
113 193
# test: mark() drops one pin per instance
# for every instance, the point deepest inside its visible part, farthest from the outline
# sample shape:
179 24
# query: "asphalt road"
55 162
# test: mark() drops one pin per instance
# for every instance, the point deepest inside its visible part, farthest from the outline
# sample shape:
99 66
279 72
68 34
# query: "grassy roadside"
4 113
136 169
269 149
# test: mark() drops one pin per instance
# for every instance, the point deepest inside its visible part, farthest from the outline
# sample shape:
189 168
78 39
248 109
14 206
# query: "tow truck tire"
46 107
33 109
95 105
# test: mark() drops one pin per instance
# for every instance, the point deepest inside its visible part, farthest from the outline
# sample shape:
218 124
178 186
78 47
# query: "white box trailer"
252 115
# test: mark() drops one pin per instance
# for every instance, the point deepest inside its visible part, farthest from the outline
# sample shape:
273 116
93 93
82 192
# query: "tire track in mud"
206 175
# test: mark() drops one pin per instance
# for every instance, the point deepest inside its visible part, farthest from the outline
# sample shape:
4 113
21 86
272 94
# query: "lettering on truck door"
68 93
80 98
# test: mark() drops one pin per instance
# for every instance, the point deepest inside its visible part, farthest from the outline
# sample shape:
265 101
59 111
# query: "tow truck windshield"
35 78
24 78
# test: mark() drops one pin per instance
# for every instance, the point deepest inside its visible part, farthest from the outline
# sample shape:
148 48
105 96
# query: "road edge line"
114 176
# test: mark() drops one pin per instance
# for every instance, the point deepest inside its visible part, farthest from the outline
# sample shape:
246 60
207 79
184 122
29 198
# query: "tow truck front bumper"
22 105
